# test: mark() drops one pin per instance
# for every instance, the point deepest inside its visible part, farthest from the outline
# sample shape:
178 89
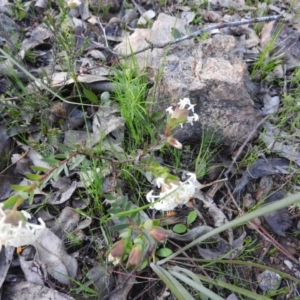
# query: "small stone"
269 281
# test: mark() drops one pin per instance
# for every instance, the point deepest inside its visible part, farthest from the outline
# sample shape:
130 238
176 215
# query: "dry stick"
209 28
250 136
260 230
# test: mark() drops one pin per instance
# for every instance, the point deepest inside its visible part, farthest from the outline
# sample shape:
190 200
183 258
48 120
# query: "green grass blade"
234 289
237 222
196 285
173 284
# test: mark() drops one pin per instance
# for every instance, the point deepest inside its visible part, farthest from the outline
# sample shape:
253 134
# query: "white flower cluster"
19 235
182 105
173 194
73 3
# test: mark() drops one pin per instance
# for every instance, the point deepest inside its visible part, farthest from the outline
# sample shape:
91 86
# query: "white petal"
160 181
170 110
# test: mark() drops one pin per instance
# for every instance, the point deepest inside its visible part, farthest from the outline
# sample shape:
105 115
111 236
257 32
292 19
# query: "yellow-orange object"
170 213
19 250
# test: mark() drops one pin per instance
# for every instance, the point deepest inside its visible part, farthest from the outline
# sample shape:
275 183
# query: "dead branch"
209 28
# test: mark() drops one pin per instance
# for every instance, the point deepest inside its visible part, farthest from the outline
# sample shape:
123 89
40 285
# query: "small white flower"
177 145
186 101
114 260
193 118
160 181
73 3
22 234
183 102
170 110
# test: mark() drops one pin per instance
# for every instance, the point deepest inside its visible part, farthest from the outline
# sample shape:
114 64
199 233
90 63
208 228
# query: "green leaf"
20 188
176 33
192 216
114 211
55 174
110 197
30 200
61 156
148 176
10 202
179 228
123 201
197 286
158 115
133 215
172 283
76 161
63 147
51 161
128 206
164 252
118 227
91 96
66 170
40 169
34 176
155 222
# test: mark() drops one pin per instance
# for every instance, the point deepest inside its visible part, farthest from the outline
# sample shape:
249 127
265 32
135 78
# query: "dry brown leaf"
52 253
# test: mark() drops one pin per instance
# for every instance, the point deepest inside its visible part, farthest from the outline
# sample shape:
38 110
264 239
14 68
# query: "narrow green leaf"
118 227
238 221
40 169
179 228
10 202
20 188
172 283
198 286
30 200
193 276
192 216
91 96
234 289
164 252
76 161
66 170
34 176
51 161
55 174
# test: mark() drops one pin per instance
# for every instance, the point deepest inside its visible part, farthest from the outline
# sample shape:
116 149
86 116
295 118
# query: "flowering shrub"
173 193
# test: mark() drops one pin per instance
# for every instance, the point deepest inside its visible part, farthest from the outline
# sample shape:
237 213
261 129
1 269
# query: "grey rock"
215 79
9 30
268 281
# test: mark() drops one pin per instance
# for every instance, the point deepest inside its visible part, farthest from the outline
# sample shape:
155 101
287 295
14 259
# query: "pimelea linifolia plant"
173 193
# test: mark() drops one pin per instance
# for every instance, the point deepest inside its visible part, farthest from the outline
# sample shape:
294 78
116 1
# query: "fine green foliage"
131 91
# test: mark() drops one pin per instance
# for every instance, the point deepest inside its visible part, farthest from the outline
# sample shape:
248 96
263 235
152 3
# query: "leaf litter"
86 124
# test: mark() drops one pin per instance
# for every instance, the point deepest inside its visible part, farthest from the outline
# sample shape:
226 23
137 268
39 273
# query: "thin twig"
250 136
209 28
261 230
